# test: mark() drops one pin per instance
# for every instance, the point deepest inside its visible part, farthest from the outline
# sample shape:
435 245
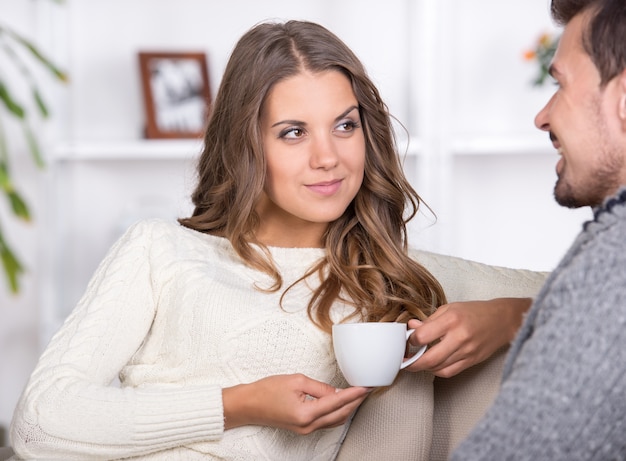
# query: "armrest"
416 413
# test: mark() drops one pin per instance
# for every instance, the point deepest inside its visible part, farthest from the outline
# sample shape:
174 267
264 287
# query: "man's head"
586 117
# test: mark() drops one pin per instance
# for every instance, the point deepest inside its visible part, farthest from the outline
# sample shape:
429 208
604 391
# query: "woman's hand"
469 332
294 402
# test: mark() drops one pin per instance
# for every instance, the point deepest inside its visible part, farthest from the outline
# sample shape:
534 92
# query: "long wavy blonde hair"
366 263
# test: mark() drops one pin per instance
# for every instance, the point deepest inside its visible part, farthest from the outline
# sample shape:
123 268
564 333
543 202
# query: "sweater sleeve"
562 397
71 408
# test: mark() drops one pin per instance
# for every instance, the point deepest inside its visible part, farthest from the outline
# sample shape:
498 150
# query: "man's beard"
603 176
600 184
564 195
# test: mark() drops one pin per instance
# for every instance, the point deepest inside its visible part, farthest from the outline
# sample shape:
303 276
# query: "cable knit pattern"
177 312
564 382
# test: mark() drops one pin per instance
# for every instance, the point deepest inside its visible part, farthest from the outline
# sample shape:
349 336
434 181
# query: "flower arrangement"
542 53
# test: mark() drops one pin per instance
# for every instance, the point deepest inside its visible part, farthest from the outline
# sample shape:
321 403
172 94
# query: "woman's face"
315 152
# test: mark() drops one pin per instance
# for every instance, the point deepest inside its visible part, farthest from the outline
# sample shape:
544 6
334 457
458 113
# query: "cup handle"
415 356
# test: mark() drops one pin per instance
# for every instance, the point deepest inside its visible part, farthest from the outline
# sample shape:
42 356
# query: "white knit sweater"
175 314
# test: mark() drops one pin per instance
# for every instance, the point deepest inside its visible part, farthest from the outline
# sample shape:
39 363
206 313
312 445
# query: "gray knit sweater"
563 394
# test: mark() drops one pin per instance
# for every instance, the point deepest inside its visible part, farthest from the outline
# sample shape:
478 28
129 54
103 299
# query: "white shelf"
169 149
485 145
496 145
186 149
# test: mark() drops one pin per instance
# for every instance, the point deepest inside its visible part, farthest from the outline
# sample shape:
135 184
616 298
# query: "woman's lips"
325 188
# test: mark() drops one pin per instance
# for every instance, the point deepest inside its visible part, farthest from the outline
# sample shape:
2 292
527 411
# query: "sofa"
401 424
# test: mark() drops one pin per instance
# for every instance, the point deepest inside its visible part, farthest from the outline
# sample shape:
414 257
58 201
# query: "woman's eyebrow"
301 123
346 112
289 122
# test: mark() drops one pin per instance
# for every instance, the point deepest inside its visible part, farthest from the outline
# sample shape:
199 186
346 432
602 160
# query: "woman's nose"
323 152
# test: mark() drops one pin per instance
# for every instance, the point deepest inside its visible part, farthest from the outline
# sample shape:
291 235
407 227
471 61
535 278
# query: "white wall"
486 170
104 37
450 70
19 326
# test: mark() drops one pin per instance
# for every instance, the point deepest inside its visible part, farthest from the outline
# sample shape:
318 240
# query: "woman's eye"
348 125
292 133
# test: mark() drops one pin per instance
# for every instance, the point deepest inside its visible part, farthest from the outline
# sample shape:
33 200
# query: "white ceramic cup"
371 354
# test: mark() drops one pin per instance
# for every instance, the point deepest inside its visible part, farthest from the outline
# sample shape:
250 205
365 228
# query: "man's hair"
605 36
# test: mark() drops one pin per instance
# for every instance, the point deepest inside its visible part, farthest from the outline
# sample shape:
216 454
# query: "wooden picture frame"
176 93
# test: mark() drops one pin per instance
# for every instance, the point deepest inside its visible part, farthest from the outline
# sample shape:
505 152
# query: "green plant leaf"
24 69
20 209
18 205
33 145
5 179
10 103
34 51
12 266
4 150
41 105
11 42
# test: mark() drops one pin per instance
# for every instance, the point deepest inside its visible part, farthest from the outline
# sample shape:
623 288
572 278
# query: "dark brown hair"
605 37
366 262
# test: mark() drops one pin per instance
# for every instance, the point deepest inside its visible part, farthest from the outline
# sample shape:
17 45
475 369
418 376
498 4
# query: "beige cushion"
461 401
410 422
423 419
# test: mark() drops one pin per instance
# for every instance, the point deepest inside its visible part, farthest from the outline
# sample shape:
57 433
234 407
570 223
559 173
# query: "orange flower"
529 55
542 53
545 40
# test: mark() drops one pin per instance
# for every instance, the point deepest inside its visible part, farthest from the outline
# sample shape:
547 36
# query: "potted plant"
542 52
19 55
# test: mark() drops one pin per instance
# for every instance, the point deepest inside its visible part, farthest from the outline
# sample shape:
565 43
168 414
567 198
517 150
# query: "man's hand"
468 333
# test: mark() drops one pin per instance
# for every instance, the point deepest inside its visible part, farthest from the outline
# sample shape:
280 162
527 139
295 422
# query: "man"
563 394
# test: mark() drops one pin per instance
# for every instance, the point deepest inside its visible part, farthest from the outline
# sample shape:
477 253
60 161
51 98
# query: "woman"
219 328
